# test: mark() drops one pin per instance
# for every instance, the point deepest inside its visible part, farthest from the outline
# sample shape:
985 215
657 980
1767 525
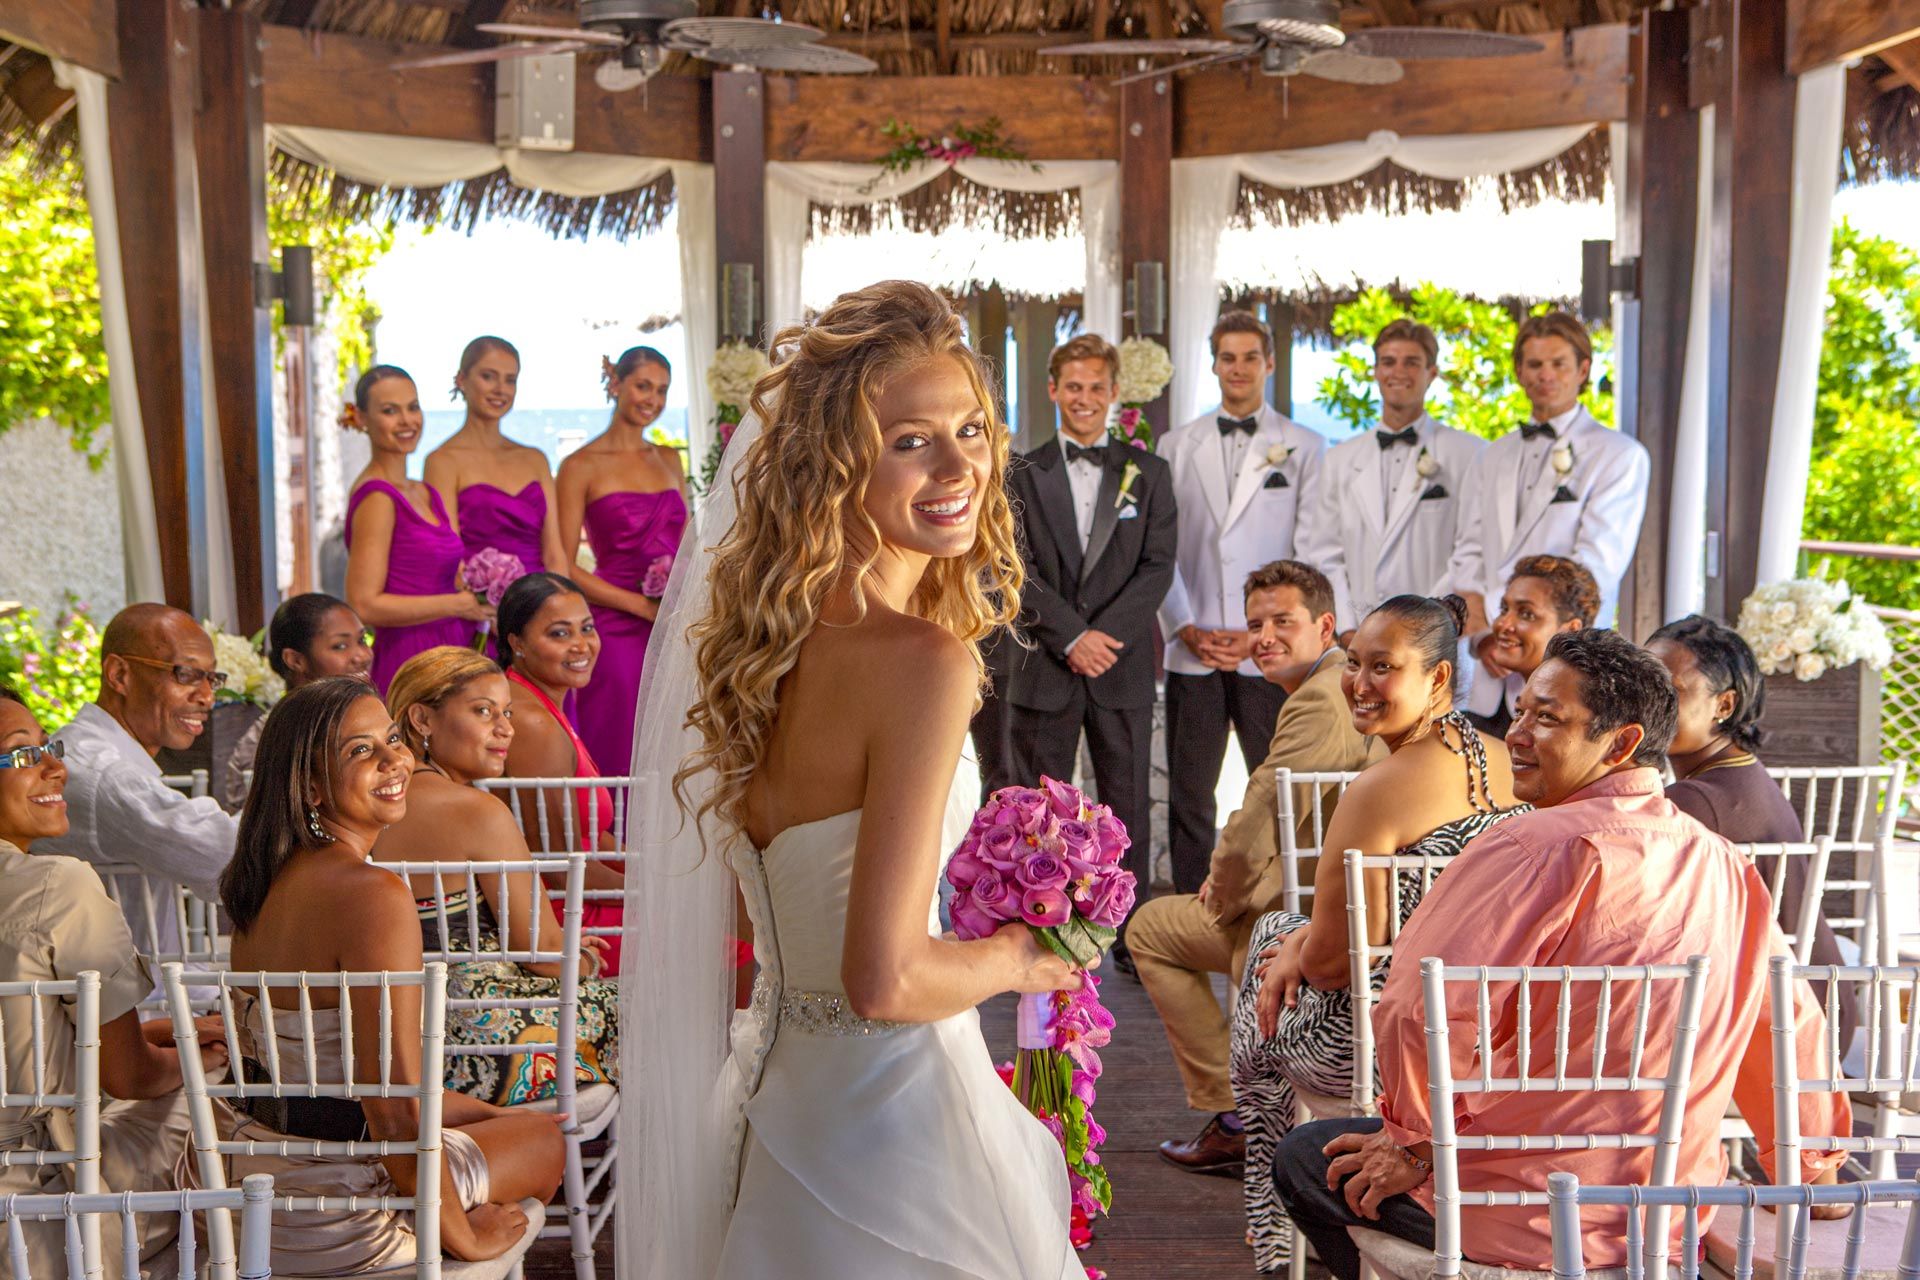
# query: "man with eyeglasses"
156 690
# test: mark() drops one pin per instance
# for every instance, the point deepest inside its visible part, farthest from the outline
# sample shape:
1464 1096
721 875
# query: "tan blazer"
1314 734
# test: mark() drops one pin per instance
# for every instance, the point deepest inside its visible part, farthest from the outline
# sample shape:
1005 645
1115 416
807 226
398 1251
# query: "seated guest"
1185 937
1442 784
156 690
1606 871
56 922
549 643
332 774
1545 596
1721 782
451 706
312 636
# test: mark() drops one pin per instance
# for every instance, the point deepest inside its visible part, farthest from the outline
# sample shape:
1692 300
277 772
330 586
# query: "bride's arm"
891 967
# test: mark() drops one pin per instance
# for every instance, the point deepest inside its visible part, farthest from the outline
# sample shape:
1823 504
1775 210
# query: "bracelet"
1424 1166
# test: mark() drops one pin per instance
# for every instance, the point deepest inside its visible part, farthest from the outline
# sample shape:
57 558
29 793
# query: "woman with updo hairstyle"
311 636
403 551
626 496
1718 777
332 774
1442 783
452 706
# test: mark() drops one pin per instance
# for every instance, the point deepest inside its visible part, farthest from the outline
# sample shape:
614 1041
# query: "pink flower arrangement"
653 584
1047 858
1134 428
488 573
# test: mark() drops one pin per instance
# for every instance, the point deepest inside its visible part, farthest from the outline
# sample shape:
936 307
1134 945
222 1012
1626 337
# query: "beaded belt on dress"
827 1013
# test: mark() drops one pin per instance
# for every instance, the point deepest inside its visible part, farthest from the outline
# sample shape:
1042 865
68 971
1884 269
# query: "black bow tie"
1230 425
1388 439
1094 453
1528 430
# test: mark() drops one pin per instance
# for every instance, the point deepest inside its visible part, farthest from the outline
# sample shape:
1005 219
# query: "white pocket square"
1128 512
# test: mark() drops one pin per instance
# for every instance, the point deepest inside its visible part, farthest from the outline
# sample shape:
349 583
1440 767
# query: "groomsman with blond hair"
1385 511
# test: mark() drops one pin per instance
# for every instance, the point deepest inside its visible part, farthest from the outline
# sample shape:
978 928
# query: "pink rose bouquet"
488 573
1047 857
653 584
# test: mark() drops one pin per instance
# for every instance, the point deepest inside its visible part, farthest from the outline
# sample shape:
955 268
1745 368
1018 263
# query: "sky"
567 303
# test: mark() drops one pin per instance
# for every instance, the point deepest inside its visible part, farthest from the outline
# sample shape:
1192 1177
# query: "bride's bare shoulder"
894 660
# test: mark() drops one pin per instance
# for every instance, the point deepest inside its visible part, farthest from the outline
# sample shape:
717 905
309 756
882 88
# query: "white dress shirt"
1083 478
1233 444
118 810
1534 452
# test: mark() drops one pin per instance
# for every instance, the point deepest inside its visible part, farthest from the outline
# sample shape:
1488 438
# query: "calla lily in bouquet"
488 573
1047 857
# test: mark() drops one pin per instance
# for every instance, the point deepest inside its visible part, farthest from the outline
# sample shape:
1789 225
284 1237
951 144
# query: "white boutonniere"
1425 464
1278 454
1127 477
1562 459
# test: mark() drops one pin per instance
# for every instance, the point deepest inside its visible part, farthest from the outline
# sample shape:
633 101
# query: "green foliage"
1864 479
57 670
1476 390
53 361
344 250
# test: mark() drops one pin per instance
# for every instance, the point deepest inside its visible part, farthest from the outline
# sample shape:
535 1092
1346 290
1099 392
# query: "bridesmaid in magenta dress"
403 552
625 494
502 490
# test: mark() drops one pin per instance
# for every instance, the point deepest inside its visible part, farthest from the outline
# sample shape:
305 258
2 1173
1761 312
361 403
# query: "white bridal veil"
680 1098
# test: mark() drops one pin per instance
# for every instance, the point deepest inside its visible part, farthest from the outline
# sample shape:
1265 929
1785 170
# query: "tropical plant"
56 669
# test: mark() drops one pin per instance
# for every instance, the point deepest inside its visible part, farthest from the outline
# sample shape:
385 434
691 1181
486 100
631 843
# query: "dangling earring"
426 746
314 828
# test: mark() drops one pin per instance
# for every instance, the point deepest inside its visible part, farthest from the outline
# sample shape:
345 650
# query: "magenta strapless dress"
627 532
424 560
510 523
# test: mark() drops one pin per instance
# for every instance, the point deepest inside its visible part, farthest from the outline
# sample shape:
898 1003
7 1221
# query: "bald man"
156 690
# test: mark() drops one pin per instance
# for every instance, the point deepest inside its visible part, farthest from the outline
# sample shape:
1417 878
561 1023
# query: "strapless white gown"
872 1149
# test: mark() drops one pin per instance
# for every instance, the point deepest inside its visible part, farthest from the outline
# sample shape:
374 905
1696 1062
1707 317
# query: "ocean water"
556 431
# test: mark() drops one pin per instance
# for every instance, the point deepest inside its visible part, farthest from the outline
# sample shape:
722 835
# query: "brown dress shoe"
1215 1152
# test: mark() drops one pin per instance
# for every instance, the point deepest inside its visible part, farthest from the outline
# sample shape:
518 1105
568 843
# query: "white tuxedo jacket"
1231 525
1508 516
1372 550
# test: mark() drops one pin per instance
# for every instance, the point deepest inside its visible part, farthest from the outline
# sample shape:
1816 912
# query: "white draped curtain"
792 188
1687 506
1203 202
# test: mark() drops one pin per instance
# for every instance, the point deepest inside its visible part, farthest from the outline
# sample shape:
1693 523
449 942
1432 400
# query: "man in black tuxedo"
1096 519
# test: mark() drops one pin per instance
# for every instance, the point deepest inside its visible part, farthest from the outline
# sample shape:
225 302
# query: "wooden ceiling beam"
38 95
77 31
1904 61
342 82
1581 77
465 31
1824 31
839 117
943 36
1394 13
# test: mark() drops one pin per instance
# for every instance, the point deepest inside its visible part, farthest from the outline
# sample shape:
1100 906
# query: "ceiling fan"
643 32
1303 37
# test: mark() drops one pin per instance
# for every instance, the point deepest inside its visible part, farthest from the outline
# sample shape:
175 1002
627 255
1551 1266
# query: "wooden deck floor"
1165 1225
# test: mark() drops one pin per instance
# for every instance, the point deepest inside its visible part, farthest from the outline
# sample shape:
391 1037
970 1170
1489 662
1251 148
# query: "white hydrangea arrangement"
734 369
249 677
1145 369
1810 626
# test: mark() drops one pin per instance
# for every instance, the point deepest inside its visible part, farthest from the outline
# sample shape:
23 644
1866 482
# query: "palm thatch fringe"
1882 138
1312 304
951 200
464 205
1578 173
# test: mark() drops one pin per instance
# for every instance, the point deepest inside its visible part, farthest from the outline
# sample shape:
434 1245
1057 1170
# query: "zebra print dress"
1313 1047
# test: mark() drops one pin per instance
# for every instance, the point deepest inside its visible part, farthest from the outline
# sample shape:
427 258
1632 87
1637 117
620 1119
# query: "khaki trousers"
1176 946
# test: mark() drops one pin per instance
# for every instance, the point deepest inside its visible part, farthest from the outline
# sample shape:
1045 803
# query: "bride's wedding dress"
873 1149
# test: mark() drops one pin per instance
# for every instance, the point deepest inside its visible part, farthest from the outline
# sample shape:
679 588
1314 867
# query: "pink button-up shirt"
1616 875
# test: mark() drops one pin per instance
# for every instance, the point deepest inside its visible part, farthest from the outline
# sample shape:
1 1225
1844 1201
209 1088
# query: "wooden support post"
1658 211
1752 216
150 114
1034 325
990 340
1280 386
233 204
740 188
1146 205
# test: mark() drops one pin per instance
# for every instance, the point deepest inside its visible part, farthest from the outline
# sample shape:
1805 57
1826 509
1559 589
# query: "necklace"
1471 750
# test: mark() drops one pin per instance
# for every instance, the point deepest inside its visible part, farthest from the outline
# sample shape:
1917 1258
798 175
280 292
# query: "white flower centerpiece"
1807 627
731 376
1146 368
250 678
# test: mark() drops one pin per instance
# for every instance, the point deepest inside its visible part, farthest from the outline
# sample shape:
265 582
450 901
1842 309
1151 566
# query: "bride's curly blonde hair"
802 524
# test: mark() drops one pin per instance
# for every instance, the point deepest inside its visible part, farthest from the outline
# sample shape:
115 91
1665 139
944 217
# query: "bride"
801 727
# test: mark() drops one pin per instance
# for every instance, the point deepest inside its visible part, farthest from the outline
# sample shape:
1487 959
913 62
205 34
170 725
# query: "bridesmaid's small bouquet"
653 584
488 573
1048 857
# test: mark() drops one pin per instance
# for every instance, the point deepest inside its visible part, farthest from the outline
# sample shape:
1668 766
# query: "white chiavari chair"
30 1141
1856 808
196 783
169 922
591 1111
1394 1257
80 1215
295 1065
1295 888
557 828
1866 1254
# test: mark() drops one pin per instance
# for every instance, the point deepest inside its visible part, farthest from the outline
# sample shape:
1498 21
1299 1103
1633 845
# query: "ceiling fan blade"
1416 43
692 35
818 59
1351 68
526 31
1140 48
1238 52
505 53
